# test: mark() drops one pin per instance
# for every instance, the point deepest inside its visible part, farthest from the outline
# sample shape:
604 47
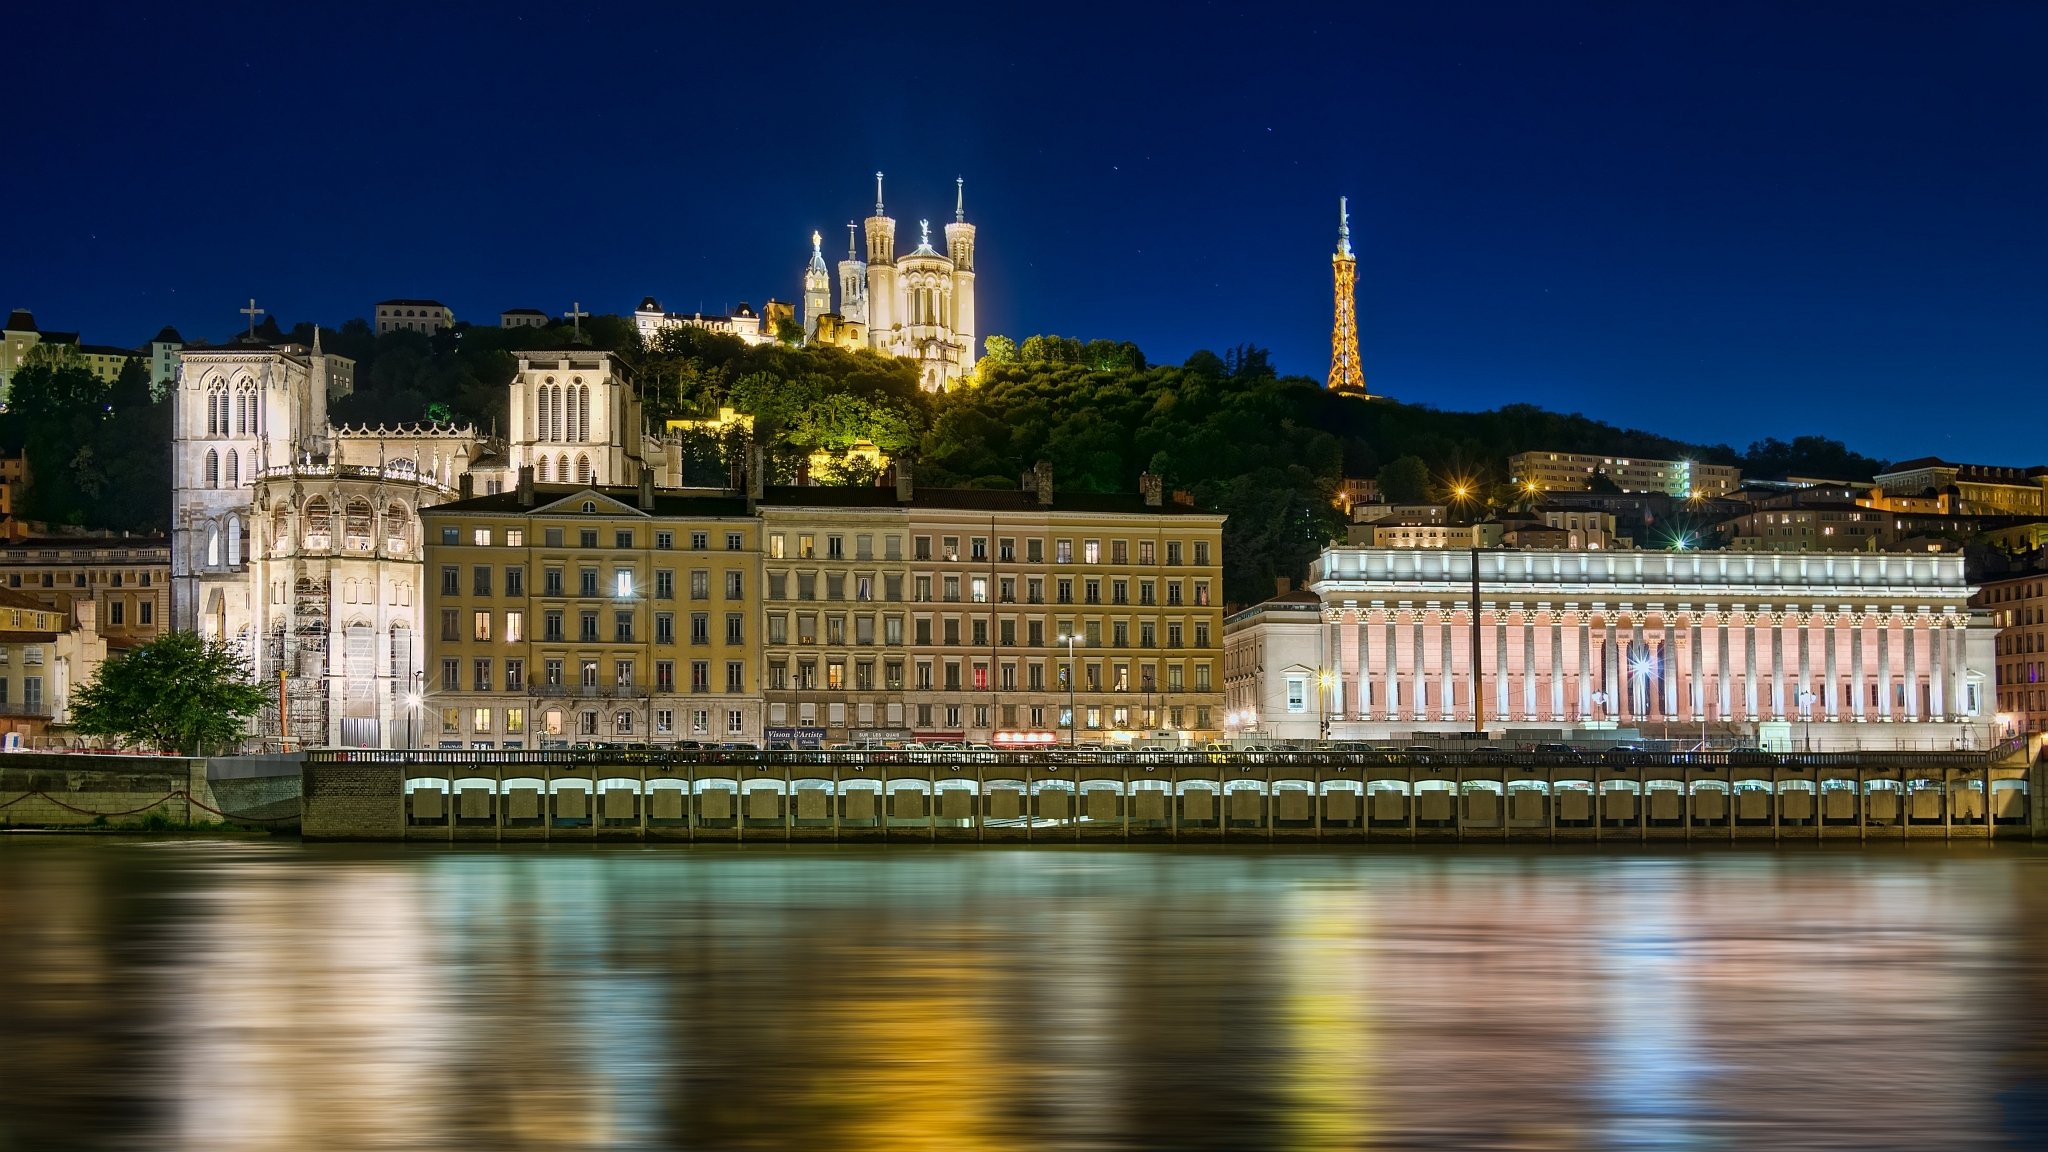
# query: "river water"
166 994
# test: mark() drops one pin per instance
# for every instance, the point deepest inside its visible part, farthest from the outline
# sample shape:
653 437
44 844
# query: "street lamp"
412 709
1323 681
1070 639
1806 715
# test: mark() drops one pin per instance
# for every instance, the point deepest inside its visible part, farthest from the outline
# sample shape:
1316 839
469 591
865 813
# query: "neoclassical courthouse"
1827 650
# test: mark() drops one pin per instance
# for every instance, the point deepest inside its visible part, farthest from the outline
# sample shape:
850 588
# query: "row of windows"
484 721
977 549
79 579
623 538
832 674
586 674
949 630
510 627
590 582
975 589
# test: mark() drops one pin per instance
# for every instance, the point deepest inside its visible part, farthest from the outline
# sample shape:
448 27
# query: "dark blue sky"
1720 221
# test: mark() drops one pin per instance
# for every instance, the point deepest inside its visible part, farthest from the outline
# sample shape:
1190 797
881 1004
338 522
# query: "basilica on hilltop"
916 306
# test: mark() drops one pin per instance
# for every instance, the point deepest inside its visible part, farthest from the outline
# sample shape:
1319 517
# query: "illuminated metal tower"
1345 374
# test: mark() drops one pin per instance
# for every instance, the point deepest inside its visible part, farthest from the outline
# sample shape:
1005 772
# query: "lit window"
481 537
622 582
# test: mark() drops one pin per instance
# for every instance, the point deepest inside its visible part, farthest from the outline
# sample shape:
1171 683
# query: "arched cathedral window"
545 407
582 469
234 469
542 470
234 541
212 468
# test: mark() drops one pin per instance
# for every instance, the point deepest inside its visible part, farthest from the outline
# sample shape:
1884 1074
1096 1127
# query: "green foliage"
1814 456
98 455
179 693
457 376
1404 480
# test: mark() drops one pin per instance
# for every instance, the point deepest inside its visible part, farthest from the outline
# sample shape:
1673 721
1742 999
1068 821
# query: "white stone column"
1777 634
1884 668
1958 663
1528 667
1419 656
1805 665
1390 668
1585 681
1332 667
1859 675
1447 668
1610 678
1667 668
1749 667
1360 667
1910 657
1556 666
1725 696
1831 684
1500 665
1937 671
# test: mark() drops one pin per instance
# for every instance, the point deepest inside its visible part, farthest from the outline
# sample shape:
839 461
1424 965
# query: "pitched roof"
169 335
560 499
21 320
977 499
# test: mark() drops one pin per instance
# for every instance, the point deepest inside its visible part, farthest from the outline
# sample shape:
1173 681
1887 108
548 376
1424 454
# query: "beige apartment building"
2018 607
127 579
1972 488
560 615
428 316
1575 471
982 615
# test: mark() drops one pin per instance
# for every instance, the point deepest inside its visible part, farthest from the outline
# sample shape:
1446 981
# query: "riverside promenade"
1058 796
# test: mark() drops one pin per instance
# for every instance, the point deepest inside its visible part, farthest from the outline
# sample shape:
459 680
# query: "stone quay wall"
66 790
1225 796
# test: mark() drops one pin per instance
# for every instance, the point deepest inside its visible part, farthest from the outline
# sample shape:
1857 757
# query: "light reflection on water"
195 995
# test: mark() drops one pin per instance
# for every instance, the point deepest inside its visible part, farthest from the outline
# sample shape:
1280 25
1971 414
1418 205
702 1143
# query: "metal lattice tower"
1345 374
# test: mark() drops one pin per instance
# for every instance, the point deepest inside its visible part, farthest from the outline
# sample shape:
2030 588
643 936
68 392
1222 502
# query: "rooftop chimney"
1153 488
1282 585
526 486
1041 480
646 490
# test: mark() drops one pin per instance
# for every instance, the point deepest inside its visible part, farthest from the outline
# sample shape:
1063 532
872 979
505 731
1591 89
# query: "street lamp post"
412 708
1323 682
1070 639
1806 716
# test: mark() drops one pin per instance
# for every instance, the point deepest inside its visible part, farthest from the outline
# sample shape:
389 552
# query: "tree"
180 693
1405 480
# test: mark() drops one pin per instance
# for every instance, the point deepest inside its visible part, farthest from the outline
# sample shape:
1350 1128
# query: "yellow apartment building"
559 615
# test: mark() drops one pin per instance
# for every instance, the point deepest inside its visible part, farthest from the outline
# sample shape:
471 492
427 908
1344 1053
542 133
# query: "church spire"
878 193
852 244
960 199
817 251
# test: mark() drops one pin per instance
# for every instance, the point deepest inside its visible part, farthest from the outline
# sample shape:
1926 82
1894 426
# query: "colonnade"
1576 665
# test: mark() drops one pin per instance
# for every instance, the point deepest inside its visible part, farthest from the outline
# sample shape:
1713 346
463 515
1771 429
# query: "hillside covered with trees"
1267 449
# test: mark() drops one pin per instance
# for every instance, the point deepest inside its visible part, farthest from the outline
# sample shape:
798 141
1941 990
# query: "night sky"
1718 221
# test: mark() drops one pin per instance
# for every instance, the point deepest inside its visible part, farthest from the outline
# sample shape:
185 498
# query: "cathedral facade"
299 541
